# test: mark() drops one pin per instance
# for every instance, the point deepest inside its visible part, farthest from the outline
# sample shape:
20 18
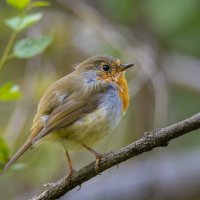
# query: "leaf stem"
7 50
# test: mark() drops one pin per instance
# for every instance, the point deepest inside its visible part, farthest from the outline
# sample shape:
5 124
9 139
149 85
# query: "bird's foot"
98 157
70 174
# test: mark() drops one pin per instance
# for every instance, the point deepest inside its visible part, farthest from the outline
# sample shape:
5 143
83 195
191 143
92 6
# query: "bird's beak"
124 67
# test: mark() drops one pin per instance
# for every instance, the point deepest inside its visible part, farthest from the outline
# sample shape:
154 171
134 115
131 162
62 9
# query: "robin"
81 108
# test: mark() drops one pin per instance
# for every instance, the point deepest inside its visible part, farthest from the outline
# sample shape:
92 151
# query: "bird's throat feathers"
123 91
120 80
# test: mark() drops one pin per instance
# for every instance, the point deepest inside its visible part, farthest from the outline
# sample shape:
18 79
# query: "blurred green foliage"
24 48
20 4
21 22
4 153
10 92
30 47
121 11
176 23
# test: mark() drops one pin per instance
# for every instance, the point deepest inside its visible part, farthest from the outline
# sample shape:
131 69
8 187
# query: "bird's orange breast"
122 87
123 91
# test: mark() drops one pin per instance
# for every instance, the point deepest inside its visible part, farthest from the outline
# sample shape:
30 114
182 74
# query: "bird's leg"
71 170
97 155
69 175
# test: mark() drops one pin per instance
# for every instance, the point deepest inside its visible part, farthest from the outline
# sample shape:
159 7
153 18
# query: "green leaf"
19 4
9 92
21 22
30 47
4 153
37 4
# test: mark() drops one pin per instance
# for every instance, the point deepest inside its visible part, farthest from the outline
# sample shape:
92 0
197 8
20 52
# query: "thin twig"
7 51
150 140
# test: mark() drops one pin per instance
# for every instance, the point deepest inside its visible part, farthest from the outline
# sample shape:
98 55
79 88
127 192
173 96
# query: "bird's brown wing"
64 115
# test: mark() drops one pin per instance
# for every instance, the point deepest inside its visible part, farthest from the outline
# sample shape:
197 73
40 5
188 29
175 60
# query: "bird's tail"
19 153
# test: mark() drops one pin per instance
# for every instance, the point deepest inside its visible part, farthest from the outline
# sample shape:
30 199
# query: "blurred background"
163 39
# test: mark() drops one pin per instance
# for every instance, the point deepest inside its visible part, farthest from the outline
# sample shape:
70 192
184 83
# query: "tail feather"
19 153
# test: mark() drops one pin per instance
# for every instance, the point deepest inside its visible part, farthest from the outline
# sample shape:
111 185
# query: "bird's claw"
98 157
70 174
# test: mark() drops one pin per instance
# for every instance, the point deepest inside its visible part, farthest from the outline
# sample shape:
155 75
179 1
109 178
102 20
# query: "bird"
80 109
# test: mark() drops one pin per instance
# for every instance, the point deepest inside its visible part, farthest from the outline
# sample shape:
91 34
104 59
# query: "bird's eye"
106 68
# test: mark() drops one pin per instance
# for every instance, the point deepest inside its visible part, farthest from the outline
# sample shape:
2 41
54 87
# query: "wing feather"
64 115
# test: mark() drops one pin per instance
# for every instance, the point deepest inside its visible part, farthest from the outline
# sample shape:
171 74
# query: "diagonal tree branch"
150 140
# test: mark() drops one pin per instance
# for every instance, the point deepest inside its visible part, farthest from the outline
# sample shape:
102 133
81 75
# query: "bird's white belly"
93 126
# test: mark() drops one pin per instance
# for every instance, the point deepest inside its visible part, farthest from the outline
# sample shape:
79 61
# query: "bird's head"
105 68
